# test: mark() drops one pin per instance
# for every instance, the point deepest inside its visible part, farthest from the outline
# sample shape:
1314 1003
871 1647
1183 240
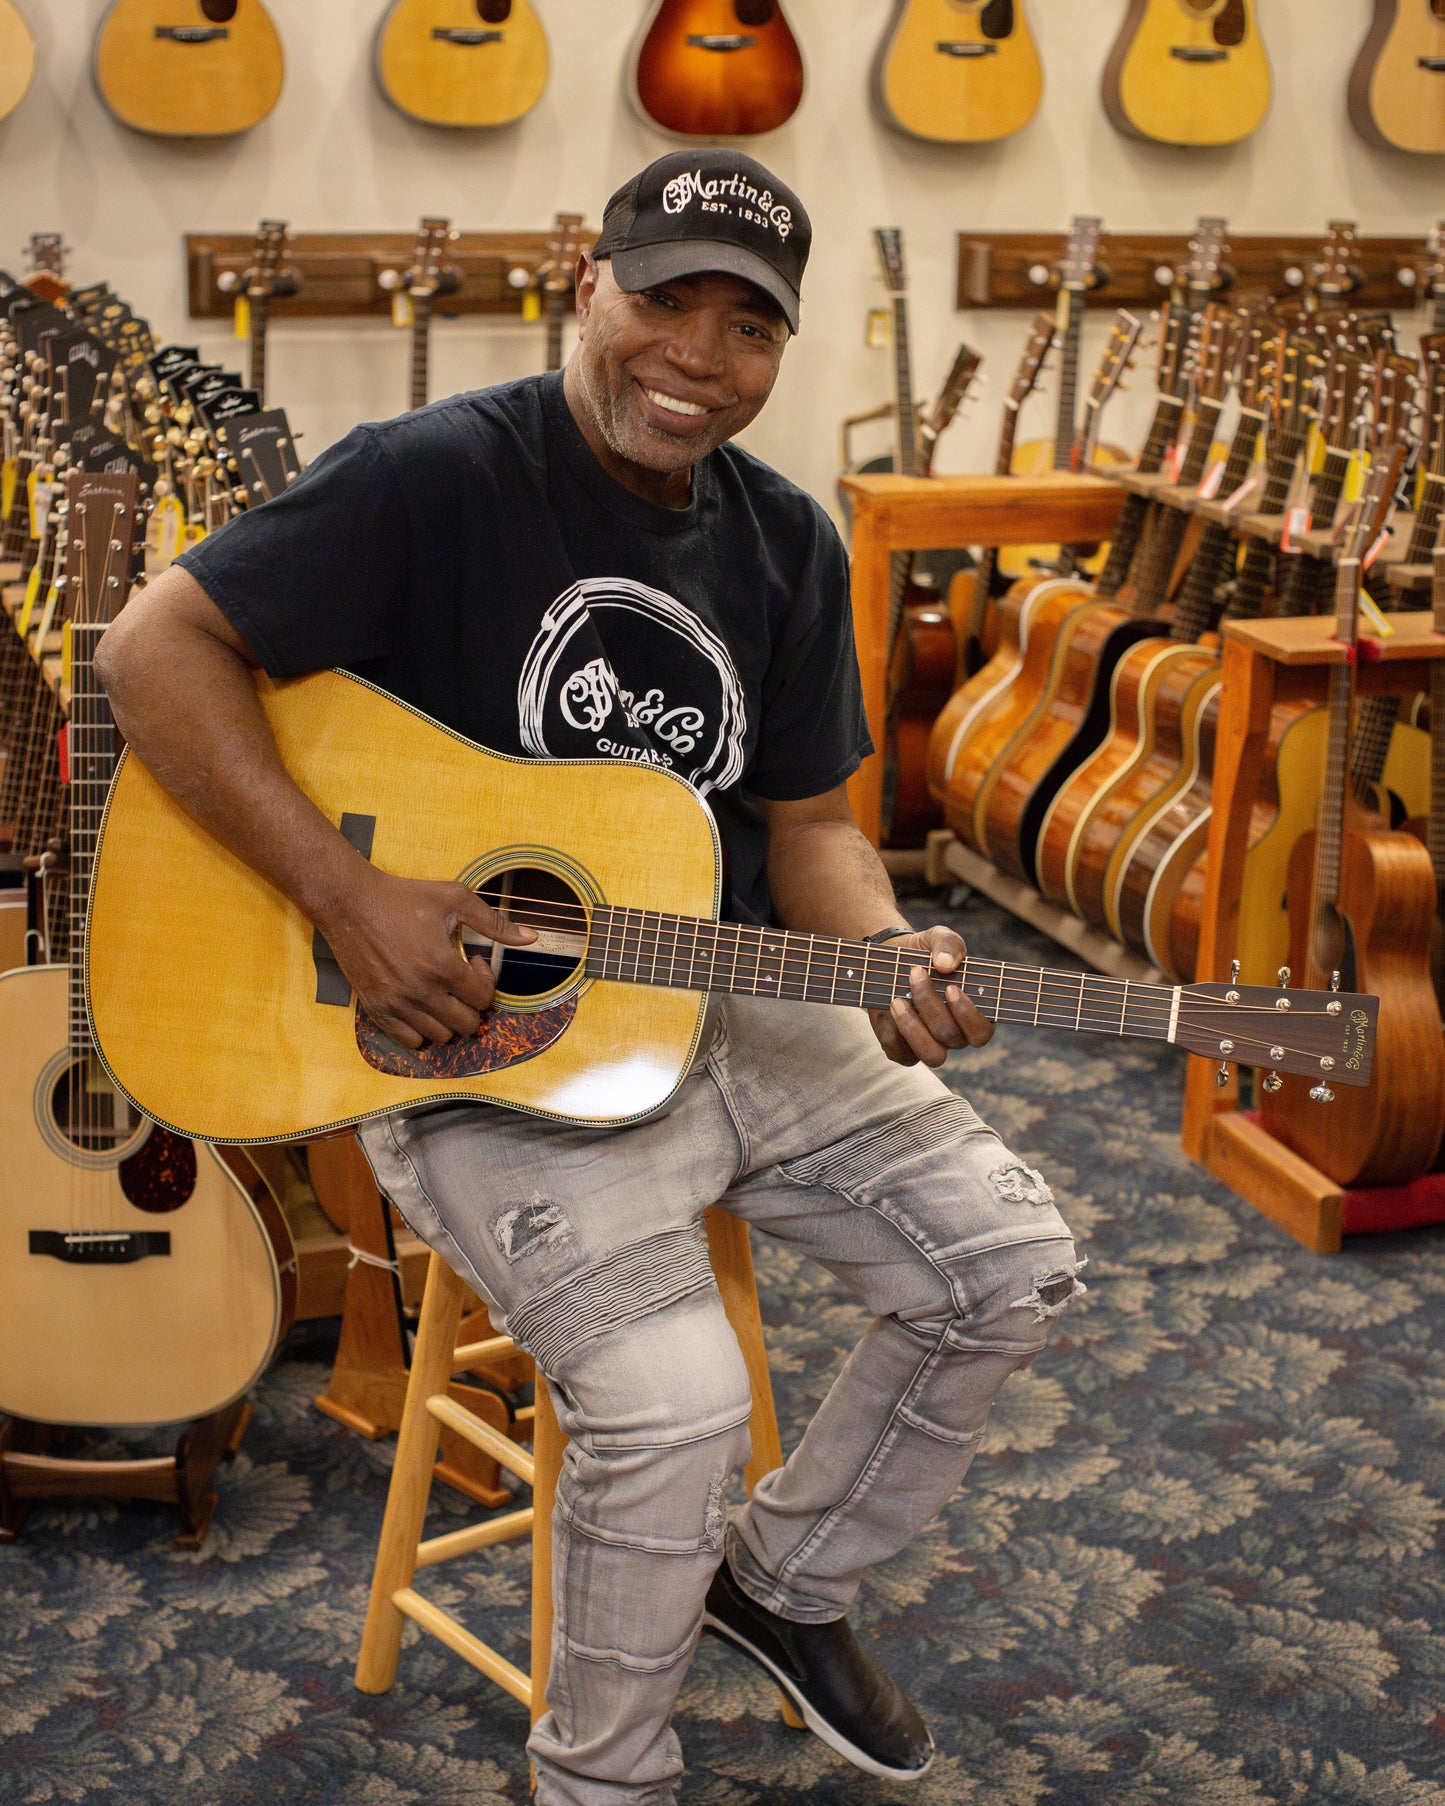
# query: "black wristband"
884 934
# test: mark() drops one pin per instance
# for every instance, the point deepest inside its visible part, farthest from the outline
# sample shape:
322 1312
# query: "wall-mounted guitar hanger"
1017 269
340 273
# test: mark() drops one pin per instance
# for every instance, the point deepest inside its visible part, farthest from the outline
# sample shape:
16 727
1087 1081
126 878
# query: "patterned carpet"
1198 1563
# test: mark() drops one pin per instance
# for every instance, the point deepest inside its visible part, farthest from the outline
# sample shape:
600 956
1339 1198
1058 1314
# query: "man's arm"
826 878
179 679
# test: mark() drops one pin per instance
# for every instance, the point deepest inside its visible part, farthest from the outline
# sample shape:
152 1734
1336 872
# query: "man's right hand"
394 940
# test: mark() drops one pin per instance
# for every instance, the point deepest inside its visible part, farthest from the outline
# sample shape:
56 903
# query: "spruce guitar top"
1189 72
17 57
958 71
462 62
189 68
1397 86
217 1007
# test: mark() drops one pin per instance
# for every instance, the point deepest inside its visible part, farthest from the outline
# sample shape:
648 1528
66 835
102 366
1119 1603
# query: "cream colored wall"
333 155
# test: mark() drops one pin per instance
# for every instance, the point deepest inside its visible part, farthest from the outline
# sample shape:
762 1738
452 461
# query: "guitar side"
1397 85
221 80
1181 74
952 75
716 68
17 58
440 62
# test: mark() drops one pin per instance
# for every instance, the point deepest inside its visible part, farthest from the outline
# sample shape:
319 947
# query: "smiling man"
583 567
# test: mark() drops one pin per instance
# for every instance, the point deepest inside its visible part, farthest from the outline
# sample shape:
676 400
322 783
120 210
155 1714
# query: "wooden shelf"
999 269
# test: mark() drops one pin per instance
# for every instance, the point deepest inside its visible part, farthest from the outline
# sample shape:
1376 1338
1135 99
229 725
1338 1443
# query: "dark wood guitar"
717 68
958 71
1397 86
189 68
1363 902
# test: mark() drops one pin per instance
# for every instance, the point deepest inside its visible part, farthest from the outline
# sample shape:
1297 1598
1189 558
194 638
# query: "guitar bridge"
1435 64
191 34
721 40
1196 53
964 47
99 1247
451 34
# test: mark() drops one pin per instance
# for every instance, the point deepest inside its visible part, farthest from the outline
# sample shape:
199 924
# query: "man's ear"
588 274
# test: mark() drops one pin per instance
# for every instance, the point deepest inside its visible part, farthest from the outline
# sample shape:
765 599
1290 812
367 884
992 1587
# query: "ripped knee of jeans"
1052 1290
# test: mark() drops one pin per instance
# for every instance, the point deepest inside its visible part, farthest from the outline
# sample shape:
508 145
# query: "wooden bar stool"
401 1551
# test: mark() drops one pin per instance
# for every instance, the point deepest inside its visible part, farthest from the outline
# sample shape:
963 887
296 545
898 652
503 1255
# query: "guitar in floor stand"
618 868
462 62
1431 828
717 68
142 1283
1361 907
189 68
958 71
255 289
1397 86
1190 72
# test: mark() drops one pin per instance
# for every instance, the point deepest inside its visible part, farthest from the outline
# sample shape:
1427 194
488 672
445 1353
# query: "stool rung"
471 1649
481 1435
474 1536
495 1348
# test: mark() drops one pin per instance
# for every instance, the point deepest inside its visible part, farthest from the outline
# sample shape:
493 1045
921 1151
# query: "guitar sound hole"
219 12
997 19
494 12
1230 25
540 900
89 1113
753 12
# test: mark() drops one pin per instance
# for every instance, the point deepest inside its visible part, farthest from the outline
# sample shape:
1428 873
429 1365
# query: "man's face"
663 377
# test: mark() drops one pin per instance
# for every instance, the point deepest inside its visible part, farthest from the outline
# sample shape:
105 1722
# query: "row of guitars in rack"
1078 755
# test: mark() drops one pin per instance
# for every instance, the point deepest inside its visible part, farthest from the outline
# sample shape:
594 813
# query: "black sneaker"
843 1697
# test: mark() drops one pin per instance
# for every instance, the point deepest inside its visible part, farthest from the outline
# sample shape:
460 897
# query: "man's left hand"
928 1023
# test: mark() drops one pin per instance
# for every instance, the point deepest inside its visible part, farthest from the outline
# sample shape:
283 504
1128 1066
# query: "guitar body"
462 62
1289 793
1190 72
717 68
926 657
159 1339
189 68
240 1045
1385 1134
1397 86
1148 696
958 71
1067 725
17 57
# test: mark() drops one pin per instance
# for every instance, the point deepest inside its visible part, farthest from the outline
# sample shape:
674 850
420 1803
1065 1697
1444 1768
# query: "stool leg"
411 1478
548 1443
732 1265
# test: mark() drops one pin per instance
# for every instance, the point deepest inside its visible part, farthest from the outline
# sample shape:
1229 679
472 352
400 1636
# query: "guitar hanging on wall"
17 57
1188 72
255 288
1397 86
958 71
189 68
462 62
413 292
557 278
717 68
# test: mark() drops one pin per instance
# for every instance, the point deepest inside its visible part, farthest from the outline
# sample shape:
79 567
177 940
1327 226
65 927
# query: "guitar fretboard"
420 350
92 747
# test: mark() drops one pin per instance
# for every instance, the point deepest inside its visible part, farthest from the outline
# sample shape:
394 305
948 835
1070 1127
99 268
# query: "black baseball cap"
694 211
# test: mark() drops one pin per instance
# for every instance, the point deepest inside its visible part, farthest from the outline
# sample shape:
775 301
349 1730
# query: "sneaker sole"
817 1724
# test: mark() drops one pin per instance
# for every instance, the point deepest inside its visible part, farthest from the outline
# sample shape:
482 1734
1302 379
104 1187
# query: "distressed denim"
590 1248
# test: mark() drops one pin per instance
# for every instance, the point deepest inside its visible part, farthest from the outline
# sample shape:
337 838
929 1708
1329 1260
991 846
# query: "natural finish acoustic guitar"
142 1281
1191 72
462 62
958 71
189 68
717 68
218 1007
1397 86
17 57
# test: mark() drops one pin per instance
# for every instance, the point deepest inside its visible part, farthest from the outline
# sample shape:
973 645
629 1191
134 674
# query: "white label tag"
1241 495
1375 550
1213 477
1296 522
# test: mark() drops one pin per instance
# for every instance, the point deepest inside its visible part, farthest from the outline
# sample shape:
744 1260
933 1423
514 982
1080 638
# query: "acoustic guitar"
426 277
257 286
1362 902
189 68
1397 85
17 57
958 71
143 1283
462 62
617 866
717 68
1191 72
556 279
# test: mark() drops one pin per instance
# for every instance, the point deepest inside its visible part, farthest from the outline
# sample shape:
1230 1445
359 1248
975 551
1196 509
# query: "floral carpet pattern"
1198 1562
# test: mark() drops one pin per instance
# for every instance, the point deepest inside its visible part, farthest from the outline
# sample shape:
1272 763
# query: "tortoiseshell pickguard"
505 1038
161 1174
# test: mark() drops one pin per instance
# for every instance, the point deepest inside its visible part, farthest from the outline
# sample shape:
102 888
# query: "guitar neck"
420 350
1258 566
92 748
903 390
645 947
1427 520
555 307
1435 830
1065 425
1329 838
260 307
1136 509
1192 615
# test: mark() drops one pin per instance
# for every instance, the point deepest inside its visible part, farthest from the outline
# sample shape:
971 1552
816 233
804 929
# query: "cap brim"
643 265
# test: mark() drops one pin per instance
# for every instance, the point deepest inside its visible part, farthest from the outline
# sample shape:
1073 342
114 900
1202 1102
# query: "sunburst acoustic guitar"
17 57
462 62
717 68
1191 72
142 1281
1397 86
189 68
958 71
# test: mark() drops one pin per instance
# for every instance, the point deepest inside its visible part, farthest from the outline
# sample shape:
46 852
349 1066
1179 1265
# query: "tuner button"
1276 1054
1334 981
1221 1078
1282 977
1038 274
1322 1094
1272 1083
1234 971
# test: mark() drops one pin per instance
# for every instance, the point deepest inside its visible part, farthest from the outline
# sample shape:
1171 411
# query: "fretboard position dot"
849 973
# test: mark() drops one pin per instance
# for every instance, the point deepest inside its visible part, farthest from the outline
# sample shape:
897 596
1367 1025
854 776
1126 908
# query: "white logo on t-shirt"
664 691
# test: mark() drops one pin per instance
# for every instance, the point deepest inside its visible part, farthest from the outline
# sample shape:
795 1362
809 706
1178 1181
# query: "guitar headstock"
1296 403
1041 337
1117 355
564 247
1397 384
1203 271
1348 382
265 277
1363 527
1328 1036
1432 430
961 373
1174 325
1218 344
1337 275
889 240
1079 264
1256 364
1435 270
103 513
427 275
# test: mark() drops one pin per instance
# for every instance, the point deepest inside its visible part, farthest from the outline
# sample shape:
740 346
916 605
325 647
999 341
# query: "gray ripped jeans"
589 1245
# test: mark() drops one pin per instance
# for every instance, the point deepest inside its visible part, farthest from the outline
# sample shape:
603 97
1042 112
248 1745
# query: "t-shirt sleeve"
315 576
814 733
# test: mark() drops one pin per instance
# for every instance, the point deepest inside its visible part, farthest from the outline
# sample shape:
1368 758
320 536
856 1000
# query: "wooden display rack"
1265 662
922 514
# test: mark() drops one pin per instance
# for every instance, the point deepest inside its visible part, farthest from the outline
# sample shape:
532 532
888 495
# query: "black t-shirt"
475 560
